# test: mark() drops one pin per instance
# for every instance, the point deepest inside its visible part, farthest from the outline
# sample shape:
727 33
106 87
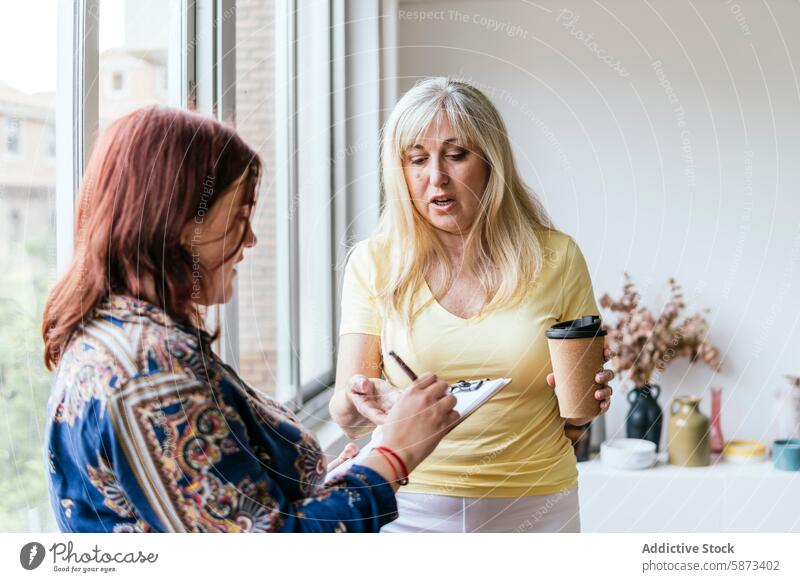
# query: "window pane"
134 38
13 135
255 107
27 254
314 186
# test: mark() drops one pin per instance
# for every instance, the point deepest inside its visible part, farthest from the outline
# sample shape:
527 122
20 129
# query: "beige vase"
688 435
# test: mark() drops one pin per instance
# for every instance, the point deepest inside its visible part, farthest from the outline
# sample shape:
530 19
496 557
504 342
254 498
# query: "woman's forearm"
359 358
344 413
381 465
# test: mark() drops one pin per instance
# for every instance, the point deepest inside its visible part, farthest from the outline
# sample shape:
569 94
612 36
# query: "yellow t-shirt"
514 445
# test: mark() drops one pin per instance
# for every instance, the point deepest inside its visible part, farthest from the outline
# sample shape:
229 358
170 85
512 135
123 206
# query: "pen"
409 372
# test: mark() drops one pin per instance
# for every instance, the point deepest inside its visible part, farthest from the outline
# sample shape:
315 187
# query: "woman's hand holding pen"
416 423
373 398
419 419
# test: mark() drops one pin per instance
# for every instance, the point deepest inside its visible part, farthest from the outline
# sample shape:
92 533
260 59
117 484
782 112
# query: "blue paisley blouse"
150 431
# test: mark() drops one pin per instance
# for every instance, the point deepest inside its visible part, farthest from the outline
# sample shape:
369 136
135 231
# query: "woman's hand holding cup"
602 378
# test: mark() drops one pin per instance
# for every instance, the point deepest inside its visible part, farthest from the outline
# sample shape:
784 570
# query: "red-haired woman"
149 430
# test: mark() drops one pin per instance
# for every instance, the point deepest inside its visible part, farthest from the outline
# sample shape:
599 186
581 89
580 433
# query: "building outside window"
13 136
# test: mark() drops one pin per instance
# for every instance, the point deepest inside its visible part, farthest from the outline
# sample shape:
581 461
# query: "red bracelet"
385 453
386 456
404 480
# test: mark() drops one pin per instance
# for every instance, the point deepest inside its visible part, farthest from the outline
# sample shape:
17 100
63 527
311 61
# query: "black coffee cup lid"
586 326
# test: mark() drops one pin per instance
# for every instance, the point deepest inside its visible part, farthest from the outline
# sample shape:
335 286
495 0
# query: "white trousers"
553 513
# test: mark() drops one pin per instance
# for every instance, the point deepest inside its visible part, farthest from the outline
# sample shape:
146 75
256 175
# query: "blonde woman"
463 276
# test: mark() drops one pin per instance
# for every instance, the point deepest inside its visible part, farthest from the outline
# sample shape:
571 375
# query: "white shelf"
719 468
723 497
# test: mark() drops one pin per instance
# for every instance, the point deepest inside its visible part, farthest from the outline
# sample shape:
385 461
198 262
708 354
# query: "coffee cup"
576 352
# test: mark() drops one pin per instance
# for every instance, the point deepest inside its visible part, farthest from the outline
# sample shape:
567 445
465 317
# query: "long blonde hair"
502 246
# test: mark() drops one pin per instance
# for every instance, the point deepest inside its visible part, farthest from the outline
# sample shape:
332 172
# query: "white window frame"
287 104
287 281
76 112
313 147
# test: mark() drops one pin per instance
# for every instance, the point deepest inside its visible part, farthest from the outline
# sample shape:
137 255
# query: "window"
286 291
13 136
27 254
147 52
314 202
37 195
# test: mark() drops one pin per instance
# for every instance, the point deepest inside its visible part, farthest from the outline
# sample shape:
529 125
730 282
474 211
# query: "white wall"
714 202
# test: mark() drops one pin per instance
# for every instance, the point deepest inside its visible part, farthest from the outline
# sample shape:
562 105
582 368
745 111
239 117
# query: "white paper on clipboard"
467 402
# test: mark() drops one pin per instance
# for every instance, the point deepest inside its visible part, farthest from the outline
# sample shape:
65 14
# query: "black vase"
644 417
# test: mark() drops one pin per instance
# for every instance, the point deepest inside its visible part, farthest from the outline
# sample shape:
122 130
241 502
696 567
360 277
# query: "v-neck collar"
440 307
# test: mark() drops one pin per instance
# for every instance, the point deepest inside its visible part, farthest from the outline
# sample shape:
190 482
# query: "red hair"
151 172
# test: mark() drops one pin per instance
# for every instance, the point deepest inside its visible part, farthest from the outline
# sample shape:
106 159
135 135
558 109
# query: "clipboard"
470 396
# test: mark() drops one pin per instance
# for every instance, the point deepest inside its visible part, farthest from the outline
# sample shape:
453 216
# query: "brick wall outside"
255 107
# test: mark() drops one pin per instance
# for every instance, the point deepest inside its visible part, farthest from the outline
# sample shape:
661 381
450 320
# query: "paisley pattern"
150 431
309 464
137 526
66 506
87 379
104 479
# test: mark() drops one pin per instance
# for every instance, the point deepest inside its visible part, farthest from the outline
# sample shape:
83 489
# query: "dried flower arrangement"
643 343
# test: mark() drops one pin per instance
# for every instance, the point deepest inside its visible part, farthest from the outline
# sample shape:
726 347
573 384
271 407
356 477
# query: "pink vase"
717 442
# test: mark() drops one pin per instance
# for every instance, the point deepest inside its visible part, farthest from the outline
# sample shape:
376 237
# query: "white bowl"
628 453
744 451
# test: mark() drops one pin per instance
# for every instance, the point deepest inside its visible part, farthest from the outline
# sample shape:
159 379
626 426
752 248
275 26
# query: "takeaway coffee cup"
576 351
